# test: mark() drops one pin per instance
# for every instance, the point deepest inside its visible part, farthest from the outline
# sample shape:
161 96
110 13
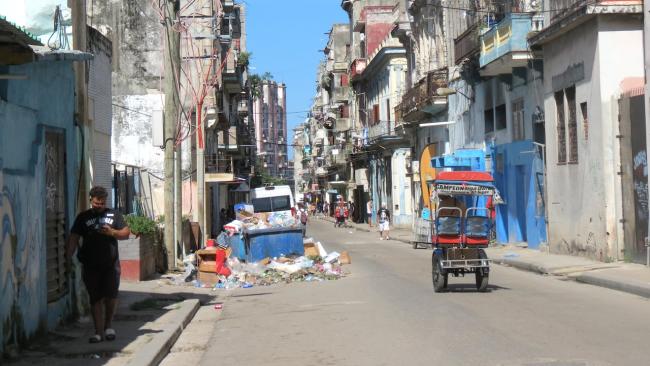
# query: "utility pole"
200 174
172 66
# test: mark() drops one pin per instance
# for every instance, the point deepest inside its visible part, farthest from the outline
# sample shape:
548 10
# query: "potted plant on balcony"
138 253
244 59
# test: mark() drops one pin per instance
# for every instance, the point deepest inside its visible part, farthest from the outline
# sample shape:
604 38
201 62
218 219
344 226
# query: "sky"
286 38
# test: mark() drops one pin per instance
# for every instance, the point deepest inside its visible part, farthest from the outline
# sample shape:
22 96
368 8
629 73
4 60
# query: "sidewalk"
626 277
150 317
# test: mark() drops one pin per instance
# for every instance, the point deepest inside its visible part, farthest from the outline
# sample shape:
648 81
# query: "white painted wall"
582 198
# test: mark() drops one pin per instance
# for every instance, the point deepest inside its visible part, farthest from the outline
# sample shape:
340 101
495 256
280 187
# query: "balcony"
341 154
342 124
565 15
232 75
422 101
505 46
218 168
341 94
467 45
357 67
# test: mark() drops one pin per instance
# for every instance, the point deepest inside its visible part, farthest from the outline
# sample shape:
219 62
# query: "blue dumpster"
273 242
236 243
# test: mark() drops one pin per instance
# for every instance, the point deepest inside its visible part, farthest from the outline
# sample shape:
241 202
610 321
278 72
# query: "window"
500 117
271 204
489 120
388 110
561 134
344 79
585 119
344 111
518 132
572 124
375 114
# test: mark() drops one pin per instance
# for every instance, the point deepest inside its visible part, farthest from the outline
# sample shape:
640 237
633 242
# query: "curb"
154 352
630 286
526 266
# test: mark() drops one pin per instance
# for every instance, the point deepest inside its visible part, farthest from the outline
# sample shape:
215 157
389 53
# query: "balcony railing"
422 99
466 45
381 129
506 41
215 163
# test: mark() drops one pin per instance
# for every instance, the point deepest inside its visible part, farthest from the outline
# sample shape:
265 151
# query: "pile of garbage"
315 265
247 219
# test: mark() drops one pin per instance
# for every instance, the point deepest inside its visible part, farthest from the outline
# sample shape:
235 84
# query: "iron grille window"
561 133
55 198
572 124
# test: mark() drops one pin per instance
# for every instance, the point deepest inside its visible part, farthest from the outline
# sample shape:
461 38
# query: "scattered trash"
317 265
510 255
95 356
331 257
218 306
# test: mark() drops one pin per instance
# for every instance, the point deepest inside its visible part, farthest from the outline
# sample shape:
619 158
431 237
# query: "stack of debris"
315 265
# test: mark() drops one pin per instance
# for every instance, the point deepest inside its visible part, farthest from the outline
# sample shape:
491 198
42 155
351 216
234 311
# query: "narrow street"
385 313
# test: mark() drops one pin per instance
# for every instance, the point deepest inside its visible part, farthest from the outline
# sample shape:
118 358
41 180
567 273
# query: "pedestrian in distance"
99 229
383 217
369 212
303 218
339 214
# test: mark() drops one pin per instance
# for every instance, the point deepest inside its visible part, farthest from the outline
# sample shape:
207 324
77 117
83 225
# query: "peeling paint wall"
43 102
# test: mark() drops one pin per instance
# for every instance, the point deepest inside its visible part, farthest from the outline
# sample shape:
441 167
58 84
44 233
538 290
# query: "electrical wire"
59 32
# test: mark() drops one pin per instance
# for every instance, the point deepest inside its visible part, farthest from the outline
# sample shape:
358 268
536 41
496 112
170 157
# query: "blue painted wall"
517 170
28 108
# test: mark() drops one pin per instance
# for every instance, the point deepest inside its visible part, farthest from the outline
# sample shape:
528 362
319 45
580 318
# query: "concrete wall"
44 101
587 194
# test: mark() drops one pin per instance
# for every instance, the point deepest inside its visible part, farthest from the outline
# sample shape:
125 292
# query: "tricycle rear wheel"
438 274
482 277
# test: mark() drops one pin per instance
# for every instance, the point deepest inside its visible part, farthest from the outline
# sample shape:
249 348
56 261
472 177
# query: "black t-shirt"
98 250
384 215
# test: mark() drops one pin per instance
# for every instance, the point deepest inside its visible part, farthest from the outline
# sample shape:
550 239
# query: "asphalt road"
386 313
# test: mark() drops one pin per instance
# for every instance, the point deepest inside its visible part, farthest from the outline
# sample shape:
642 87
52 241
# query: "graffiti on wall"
20 280
7 258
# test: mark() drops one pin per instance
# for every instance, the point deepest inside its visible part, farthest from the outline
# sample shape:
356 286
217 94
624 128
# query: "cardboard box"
310 250
208 278
345 258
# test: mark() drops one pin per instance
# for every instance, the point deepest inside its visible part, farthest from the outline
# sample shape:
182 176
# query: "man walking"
383 217
369 212
99 228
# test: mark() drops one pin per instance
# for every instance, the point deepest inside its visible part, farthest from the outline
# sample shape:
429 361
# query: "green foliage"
244 58
141 225
263 178
267 76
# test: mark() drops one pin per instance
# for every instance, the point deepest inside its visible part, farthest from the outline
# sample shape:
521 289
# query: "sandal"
95 339
109 333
